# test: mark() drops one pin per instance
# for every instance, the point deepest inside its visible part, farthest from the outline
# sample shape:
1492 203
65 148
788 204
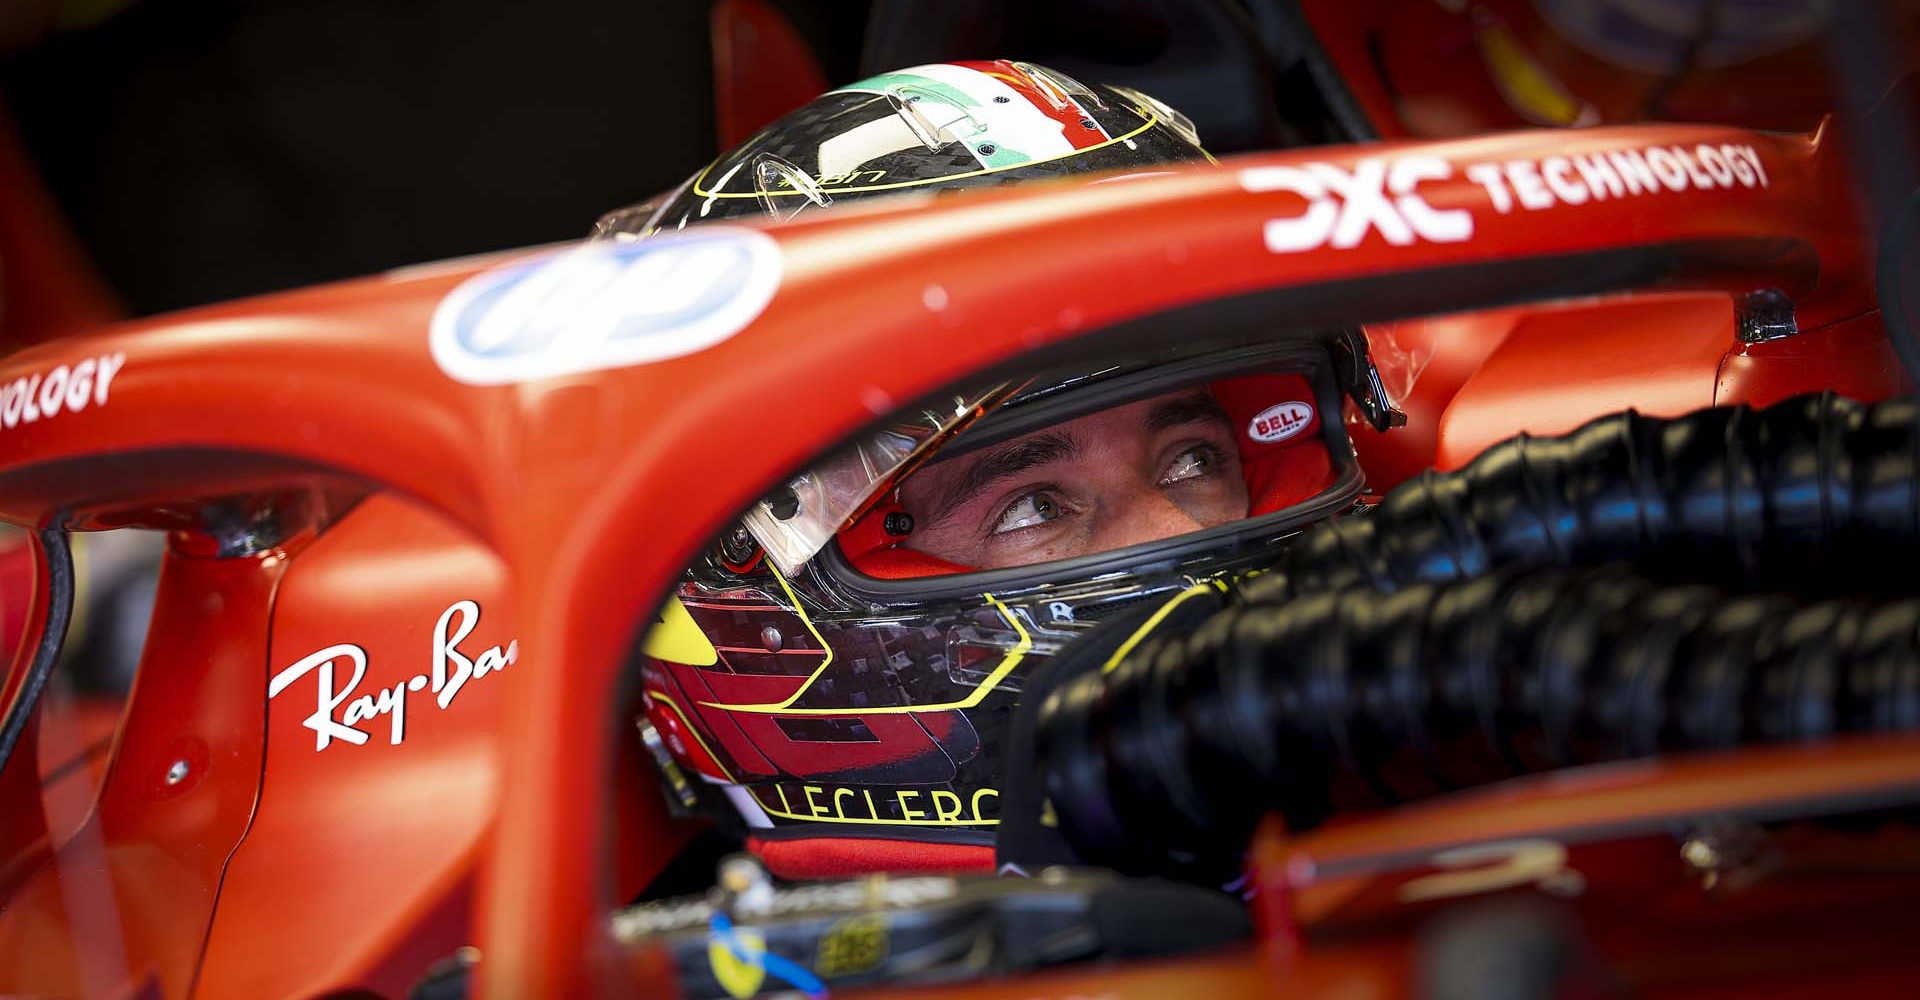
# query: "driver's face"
1134 473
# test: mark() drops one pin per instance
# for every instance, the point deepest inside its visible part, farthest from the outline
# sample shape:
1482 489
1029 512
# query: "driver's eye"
1190 464
1032 509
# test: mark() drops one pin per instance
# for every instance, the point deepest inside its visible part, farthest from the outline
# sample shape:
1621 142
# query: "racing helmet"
832 687
928 129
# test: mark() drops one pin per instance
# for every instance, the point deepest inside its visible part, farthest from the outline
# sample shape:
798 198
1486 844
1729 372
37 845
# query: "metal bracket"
1763 315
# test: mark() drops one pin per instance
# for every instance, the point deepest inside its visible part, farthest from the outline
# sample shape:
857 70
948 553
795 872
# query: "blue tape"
798 976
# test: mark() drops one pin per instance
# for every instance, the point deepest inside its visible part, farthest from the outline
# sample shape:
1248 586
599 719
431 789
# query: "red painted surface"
1547 371
47 284
1344 30
380 579
1851 357
1796 916
1556 371
564 507
16 591
762 69
1428 69
1423 363
76 740
128 899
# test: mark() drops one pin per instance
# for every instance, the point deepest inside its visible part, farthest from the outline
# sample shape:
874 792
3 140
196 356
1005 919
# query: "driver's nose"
1144 515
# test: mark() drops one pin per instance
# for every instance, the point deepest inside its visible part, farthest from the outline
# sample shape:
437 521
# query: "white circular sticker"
1280 421
605 305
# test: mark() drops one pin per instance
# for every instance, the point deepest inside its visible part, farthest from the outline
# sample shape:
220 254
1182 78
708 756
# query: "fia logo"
605 305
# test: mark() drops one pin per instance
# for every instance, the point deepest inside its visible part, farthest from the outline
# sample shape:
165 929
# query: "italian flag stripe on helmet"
997 112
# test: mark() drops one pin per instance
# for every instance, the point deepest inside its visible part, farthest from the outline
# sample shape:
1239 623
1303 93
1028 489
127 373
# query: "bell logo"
1280 421
1343 206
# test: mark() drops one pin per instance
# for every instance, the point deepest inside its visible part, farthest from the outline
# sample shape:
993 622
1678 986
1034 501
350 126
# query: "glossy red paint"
24 831
1527 384
76 738
127 900
1782 912
1851 357
1464 67
1602 802
1667 354
564 507
762 69
1424 362
380 579
16 592
1482 376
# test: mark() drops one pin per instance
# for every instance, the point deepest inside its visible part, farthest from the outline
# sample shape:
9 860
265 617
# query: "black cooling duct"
1362 698
1814 492
1427 646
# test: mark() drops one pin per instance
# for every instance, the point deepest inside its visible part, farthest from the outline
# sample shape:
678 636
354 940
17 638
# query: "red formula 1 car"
429 539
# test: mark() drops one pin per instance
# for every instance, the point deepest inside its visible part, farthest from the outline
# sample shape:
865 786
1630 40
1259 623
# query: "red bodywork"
507 818
1465 67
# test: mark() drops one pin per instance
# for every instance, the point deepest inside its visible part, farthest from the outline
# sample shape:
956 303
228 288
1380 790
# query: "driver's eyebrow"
1002 463
1193 407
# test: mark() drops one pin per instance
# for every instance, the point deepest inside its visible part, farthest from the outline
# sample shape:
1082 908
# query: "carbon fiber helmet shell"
940 127
860 695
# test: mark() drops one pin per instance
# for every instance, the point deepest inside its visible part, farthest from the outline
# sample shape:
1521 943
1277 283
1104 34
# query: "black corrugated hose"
1814 493
1478 625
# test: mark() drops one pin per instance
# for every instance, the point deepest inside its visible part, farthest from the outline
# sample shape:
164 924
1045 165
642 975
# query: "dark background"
203 150
206 150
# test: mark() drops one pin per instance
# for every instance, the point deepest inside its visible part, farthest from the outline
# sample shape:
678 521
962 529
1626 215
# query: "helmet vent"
775 179
1153 107
934 120
1054 86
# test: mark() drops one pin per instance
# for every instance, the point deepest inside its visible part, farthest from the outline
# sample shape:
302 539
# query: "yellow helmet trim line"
999 673
662 697
677 639
1155 619
702 192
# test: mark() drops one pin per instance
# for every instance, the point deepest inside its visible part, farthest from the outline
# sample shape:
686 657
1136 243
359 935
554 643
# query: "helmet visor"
798 519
